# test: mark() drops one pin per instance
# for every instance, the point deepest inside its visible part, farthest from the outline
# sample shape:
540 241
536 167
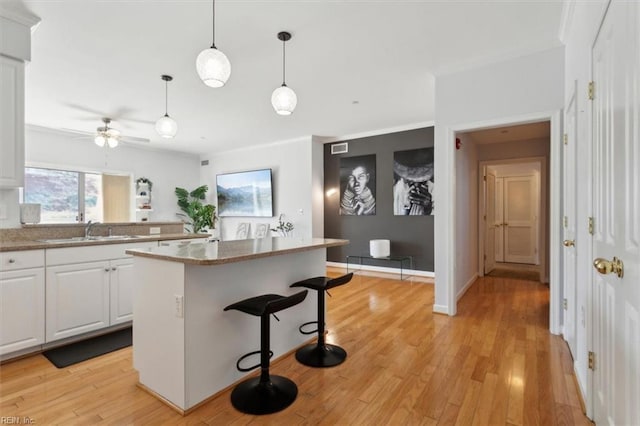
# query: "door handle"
569 243
605 266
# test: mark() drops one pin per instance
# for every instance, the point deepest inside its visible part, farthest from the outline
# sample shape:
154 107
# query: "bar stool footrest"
306 324
255 397
245 369
326 355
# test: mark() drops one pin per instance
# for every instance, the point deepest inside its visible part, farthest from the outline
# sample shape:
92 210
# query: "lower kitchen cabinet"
121 291
77 299
21 309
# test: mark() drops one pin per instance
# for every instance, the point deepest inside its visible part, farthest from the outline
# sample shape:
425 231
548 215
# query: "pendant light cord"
166 98
213 24
283 63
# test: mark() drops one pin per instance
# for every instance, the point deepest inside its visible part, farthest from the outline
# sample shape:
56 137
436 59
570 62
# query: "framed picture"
245 194
413 182
358 185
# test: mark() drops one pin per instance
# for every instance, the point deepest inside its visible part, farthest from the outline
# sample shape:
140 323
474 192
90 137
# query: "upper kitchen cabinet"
15 50
11 122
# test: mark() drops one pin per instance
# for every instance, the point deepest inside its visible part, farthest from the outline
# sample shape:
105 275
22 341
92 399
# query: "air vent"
340 148
204 163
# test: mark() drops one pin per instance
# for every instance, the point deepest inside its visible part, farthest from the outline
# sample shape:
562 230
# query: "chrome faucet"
87 228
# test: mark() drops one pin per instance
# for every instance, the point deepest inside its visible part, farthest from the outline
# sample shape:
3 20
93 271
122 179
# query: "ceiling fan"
106 135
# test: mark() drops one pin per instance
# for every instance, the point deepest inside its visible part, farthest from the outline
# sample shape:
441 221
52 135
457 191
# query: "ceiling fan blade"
80 132
133 139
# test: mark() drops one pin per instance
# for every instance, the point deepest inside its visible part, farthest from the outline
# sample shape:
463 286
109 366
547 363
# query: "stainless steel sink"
91 238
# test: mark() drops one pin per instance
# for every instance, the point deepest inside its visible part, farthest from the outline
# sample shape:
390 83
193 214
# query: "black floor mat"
74 353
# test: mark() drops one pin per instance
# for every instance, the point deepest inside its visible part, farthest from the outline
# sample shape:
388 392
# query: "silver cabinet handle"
113 268
106 269
12 261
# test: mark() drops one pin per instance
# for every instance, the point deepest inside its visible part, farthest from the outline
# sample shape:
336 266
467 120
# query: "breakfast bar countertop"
214 253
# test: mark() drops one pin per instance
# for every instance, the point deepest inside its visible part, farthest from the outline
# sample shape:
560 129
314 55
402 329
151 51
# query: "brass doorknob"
605 266
569 243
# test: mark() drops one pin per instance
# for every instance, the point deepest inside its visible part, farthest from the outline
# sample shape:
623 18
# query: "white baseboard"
441 309
582 389
353 267
464 289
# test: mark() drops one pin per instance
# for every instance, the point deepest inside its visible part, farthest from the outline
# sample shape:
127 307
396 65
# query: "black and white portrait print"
358 185
413 182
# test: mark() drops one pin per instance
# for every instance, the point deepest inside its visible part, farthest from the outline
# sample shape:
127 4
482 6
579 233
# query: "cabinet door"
121 290
21 309
11 123
77 298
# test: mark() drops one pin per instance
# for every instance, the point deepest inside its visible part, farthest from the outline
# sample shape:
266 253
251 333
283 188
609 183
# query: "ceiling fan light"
100 140
284 100
112 141
166 127
213 67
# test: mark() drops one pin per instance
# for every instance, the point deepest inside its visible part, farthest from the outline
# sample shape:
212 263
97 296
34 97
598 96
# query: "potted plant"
201 216
283 228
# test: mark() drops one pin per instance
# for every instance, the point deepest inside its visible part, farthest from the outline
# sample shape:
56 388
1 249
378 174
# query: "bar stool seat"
265 394
321 354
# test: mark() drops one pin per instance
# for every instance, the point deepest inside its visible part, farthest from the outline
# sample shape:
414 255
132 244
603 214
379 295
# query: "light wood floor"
493 364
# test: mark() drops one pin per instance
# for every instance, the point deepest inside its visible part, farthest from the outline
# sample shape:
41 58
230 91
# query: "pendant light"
212 65
284 99
166 126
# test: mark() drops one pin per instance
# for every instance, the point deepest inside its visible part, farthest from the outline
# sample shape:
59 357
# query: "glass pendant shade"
284 100
112 142
213 67
166 127
100 140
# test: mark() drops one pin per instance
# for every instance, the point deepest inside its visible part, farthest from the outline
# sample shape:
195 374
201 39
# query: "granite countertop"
215 253
35 245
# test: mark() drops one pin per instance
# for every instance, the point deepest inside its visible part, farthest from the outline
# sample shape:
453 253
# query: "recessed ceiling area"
356 66
520 132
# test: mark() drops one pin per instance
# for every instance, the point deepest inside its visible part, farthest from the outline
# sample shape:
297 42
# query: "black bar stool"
321 354
265 394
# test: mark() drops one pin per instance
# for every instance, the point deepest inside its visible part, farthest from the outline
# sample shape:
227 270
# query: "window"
68 196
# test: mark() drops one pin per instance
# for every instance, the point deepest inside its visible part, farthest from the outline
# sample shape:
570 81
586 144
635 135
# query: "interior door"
520 214
616 209
499 219
569 225
490 222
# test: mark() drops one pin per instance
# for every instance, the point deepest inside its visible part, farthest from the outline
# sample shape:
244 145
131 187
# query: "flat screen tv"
245 194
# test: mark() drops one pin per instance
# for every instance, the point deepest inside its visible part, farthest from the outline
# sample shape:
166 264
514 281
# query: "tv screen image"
245 194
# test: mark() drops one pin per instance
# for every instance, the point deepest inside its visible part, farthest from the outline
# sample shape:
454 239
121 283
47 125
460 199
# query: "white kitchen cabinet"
11 123
121 291
21 300
94 292
77 299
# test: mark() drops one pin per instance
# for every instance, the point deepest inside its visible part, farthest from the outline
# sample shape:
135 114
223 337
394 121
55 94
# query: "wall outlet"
154 230
179 302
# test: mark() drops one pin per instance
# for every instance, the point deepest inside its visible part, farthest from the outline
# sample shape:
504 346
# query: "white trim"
357 267
21 17
377 132
555 118
566 20
466 287
441 309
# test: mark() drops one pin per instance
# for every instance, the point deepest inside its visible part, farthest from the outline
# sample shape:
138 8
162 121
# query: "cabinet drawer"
12 260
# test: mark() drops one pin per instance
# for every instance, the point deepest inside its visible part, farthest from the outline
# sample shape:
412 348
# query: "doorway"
511 218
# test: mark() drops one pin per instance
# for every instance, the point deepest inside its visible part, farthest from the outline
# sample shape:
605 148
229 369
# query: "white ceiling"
104 58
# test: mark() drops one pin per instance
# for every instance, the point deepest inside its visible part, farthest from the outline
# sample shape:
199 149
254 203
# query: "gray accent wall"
409 235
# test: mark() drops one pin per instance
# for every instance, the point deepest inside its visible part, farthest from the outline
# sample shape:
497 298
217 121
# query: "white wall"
295 185
581 25
466 260
166 169
519 87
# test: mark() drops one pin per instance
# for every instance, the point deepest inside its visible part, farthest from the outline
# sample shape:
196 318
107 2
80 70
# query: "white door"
121 283
77 299
569 225
499 219
520 215
490 222
616 210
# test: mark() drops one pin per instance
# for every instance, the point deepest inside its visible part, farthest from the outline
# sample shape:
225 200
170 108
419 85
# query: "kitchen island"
185 347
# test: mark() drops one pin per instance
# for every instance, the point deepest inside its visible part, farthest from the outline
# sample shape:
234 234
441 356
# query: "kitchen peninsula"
185 347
